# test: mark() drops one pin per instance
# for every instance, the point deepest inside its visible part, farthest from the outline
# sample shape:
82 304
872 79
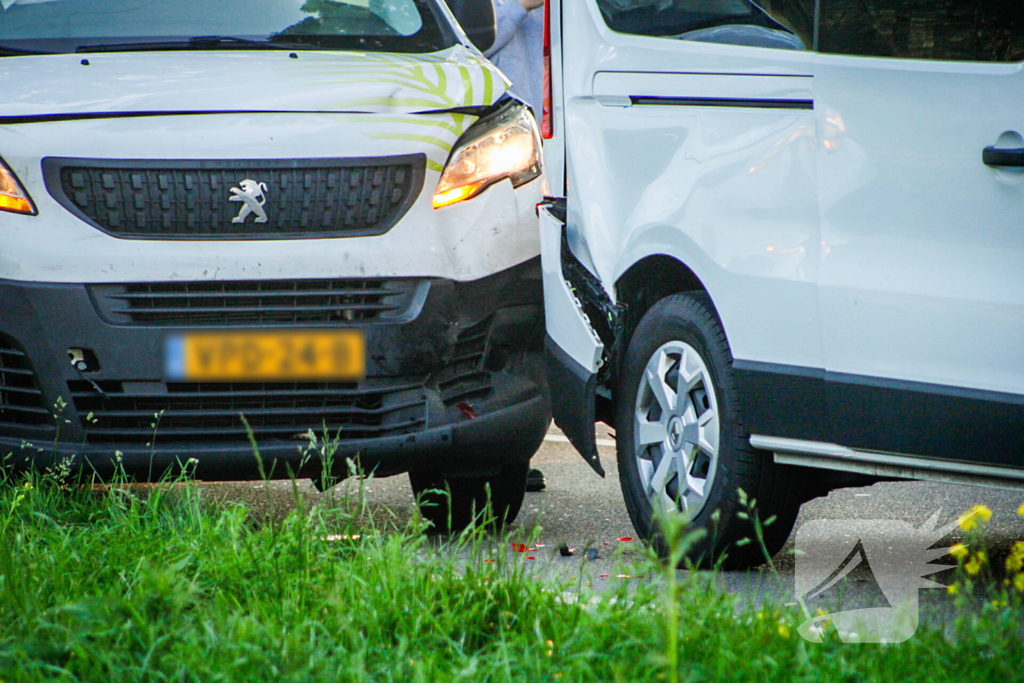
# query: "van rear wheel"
681 443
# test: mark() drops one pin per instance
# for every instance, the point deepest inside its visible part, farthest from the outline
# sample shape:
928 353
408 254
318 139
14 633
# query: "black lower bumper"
455 382
573 402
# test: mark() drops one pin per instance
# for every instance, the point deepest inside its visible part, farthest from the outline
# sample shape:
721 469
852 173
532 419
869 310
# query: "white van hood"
231 105
244 81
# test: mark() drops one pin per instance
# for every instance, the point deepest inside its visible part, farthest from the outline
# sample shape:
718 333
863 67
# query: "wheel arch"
647 282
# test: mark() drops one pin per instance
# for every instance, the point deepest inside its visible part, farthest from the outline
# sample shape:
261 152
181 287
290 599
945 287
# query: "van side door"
922 297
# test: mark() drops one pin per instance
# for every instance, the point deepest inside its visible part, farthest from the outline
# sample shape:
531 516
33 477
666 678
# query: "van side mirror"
476 17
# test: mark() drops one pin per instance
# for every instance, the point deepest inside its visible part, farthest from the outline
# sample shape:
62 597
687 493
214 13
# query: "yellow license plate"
266 356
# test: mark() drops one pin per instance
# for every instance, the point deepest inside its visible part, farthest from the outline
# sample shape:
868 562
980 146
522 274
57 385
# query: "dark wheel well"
647 282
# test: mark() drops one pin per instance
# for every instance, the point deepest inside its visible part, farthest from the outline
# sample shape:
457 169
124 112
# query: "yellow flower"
1015 561
970 518
783 630
975 564
1020 510
959 551
1018 583
953 589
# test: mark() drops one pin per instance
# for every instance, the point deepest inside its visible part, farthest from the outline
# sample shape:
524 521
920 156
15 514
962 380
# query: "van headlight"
13 197
506 146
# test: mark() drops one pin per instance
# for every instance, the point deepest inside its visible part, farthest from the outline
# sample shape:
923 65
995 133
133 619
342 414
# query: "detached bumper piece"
454 379
574 351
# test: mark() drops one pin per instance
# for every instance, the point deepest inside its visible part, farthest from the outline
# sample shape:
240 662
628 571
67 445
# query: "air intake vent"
464 378
21 402
255 302
209 411
228 200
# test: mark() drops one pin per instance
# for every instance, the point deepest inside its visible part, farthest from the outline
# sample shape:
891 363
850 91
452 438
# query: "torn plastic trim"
605 317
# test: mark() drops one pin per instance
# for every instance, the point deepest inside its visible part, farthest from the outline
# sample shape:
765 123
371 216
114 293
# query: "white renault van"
307 214
787 235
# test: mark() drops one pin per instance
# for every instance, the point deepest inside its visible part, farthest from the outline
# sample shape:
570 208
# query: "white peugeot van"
310 214
786 252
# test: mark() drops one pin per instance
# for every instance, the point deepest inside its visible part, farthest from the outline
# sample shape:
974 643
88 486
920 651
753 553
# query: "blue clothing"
519 51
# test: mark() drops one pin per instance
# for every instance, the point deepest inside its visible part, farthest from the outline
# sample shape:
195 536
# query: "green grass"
140 584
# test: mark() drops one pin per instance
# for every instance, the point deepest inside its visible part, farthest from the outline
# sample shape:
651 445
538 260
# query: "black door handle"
993 156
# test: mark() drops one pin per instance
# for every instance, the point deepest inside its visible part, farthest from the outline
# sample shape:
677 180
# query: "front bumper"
454 383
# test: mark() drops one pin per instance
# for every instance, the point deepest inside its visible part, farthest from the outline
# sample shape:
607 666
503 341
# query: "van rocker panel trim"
879 414
896 465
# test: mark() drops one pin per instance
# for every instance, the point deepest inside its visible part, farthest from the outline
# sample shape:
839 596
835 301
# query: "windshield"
85 25
682 18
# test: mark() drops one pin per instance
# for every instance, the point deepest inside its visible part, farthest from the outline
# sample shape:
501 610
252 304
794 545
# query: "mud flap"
573 401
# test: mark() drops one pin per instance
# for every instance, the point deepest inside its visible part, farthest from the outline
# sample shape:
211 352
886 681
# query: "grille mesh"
195 199
464 378
210 411
287 302
21 401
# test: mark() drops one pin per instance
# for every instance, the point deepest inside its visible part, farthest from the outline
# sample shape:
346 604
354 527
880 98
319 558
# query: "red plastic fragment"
518 547
626 538
530 557
467 410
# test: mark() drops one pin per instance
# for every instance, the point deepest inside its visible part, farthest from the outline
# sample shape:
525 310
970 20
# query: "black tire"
686 323
469 497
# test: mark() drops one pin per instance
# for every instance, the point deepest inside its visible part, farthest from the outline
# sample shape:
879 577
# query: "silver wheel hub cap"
676 429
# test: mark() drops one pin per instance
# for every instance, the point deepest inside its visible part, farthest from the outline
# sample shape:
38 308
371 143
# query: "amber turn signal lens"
13 197
454 195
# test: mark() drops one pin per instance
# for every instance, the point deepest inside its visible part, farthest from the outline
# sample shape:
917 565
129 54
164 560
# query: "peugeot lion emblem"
252 194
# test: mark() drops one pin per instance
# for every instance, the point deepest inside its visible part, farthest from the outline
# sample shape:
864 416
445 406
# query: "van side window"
784 24
961 30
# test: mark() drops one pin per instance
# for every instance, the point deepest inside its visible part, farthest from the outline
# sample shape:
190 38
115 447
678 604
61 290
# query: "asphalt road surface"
583 511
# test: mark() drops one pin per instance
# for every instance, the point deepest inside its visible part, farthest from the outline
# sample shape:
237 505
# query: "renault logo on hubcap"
675 433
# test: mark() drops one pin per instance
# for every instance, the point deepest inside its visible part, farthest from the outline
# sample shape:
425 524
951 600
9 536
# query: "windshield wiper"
193 43
6 51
